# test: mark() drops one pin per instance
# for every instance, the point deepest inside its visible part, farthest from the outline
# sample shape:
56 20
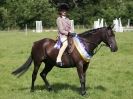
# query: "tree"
17 13
28 11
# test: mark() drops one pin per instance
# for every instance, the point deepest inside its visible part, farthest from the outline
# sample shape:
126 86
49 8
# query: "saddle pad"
58 44
81 49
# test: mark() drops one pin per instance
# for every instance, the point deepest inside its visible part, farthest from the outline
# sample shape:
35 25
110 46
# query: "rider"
64 30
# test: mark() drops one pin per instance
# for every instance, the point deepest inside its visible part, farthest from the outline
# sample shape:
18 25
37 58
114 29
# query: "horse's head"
109 39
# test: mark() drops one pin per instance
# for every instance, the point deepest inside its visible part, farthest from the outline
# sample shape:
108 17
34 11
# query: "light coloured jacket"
64 26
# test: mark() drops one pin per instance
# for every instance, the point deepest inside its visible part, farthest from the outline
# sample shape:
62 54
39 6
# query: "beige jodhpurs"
62 49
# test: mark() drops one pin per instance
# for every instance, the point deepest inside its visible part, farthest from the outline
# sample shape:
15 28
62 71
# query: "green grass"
110 75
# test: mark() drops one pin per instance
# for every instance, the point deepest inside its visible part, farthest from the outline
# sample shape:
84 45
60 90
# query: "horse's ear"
111 26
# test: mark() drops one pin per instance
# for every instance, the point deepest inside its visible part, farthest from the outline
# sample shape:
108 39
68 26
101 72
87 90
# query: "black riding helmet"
63 6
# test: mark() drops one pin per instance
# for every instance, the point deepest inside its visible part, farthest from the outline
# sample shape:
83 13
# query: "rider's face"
63 13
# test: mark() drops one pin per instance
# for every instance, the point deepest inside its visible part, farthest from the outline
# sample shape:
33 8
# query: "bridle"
98 47
108 43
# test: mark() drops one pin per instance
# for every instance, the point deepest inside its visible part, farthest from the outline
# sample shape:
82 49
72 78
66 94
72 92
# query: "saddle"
66 57
82 48
70 46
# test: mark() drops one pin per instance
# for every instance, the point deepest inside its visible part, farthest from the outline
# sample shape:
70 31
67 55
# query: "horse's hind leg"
34 74
44 73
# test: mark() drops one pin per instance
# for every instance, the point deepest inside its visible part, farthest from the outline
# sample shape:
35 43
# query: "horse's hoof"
83 93
49 88
32 90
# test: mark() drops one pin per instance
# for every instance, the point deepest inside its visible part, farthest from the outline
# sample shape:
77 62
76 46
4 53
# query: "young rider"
64 30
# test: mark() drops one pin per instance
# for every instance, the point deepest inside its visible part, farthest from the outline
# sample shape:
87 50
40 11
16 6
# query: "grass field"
110 75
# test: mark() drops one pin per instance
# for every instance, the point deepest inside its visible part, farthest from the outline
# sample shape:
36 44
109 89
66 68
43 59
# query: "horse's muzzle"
113 48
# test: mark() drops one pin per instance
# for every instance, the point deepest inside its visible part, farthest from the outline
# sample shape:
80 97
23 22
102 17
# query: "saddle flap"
70 47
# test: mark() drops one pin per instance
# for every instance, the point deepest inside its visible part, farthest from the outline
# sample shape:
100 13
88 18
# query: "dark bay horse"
44 51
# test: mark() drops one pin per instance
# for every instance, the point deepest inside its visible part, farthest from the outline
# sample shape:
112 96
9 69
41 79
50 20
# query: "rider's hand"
72 34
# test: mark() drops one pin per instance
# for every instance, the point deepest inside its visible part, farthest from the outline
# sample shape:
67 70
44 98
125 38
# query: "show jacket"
64 26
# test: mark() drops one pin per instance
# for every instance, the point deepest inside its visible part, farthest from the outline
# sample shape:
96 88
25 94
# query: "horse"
44 51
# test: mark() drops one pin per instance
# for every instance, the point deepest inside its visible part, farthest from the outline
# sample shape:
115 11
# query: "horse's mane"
90 32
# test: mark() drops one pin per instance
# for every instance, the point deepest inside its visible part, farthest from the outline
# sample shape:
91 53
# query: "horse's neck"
93 41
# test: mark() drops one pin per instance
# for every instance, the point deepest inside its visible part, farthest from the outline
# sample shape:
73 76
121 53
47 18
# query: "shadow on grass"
100 87
57 87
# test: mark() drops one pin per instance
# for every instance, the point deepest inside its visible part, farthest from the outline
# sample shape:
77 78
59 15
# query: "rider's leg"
61 51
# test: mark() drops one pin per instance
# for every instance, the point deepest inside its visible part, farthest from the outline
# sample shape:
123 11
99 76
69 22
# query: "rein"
98 47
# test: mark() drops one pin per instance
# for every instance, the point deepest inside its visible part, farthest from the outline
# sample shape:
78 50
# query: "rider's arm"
60 27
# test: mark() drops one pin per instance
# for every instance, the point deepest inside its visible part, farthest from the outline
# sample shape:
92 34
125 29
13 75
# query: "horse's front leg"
82 78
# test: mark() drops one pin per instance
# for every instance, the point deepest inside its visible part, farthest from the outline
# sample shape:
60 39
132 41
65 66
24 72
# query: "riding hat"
63 6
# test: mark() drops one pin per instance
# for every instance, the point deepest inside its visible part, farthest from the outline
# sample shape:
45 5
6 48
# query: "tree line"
14 14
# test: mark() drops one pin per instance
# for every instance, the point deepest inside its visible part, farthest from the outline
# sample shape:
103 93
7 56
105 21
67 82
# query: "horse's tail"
22 69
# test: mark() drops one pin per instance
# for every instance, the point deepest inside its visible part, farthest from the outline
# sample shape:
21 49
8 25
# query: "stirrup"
59 63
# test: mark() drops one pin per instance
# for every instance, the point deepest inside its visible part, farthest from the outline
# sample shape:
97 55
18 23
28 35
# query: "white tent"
128 24
38 26
72 25
118 25
98 23
101 23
